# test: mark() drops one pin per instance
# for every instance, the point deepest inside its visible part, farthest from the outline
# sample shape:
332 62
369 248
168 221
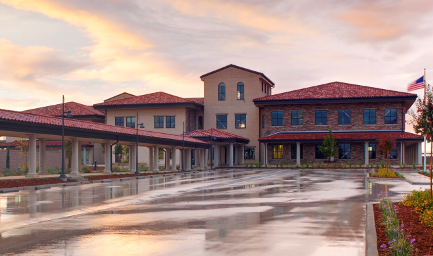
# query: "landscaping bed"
30 182
422 234
371 176
424 174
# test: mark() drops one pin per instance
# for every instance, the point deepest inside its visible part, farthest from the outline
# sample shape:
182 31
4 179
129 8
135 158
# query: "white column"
202 158
84 158
150 158
401 153
132 158
174 159
206 152
298 153
231 155
107 158
236 149
167 159
420 153
242 153
265 157
366 155
32 155
216 160
188 159
155 159
42 157
76 158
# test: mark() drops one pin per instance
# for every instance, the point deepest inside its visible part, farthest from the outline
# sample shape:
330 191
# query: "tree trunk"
387 159
431 154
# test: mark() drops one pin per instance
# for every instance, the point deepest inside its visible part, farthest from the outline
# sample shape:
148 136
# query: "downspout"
111 153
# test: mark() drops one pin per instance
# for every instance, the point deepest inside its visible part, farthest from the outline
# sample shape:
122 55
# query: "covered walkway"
43 128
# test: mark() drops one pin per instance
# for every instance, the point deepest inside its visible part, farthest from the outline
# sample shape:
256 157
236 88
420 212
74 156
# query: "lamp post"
211 149
183 144
136 148
68 114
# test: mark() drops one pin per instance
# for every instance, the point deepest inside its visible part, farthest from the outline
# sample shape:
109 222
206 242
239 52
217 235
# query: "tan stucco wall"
231 106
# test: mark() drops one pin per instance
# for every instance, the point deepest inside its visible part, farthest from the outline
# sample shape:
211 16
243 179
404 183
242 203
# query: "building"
294 124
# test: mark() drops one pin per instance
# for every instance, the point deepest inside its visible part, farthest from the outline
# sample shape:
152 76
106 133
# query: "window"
277 151
119 121
371 151
321 117
159 121
277 118
249 153
221 91
390 116
369 116
130 122
240 95
263 121
344 151
293 151
319 154
170 122
221 121
240 121
200 122
343 116
393 154
297 118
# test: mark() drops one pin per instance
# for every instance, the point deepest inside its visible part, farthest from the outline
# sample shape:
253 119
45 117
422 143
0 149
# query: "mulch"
422 234
29 182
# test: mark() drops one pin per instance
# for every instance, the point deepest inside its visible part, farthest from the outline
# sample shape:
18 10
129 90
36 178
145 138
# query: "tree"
329 146
386 145
125 154
24 146
422 120
8 160
118 152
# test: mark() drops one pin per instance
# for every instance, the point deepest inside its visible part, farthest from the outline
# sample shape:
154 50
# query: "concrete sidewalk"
416 179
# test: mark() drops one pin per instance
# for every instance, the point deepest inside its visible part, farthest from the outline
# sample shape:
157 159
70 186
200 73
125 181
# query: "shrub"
85 169
259 164
384 173
426 217
419 200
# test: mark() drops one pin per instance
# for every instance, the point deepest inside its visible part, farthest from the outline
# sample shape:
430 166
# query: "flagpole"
425 141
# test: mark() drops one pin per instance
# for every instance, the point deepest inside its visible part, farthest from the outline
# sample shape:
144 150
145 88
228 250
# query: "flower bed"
29 182
385 173
427 174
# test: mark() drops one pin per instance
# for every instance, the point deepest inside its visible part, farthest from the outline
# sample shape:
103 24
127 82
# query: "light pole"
183 144
68 114
211 149
136 148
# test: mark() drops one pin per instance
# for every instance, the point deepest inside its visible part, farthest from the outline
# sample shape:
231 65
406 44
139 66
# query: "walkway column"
173 160
107 157
32 155
231 155
132 159
188 159
298 153
420 153
75 157
84 158
155 159
242 154
151 158
206 151
401 153
366 155
236 149
42 157
202 158
265 157
216 159
167 159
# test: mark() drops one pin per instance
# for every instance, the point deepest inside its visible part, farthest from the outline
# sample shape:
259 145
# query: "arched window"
240 94
200 122
221 91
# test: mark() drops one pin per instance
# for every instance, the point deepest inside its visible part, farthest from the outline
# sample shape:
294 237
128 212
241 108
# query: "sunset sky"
92 50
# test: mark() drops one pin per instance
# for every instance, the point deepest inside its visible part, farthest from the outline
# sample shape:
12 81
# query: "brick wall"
357 155
356 116
53 159
190 120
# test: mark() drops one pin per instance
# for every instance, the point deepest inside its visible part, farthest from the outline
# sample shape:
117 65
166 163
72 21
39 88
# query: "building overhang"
153 105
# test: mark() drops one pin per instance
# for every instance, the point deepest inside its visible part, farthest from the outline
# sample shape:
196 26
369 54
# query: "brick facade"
190 120
53 159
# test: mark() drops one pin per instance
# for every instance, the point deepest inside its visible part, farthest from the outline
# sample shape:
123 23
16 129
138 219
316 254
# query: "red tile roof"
215 133
77 110
151 98
335 90
197 100
287 136
123 94
79 124
48 143
238 67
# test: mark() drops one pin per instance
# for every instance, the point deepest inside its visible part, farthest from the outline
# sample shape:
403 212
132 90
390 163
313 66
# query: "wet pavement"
275 212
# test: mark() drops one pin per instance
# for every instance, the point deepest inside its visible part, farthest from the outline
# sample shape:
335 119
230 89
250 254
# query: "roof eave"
407 99
152 105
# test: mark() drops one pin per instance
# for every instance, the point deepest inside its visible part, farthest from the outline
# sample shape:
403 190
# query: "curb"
370 232
9 190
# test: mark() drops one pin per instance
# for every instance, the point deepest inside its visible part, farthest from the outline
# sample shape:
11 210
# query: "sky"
92 50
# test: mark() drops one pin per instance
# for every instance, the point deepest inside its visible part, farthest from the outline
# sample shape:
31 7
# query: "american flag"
417 84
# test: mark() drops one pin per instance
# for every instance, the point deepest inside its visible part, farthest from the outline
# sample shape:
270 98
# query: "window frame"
321 117
344 116
221 91
158 122
240 94
369 116
250 155
343 152
220 115
240 121
278 118
277 151
390 117
171 122
118 118
297 118
131 118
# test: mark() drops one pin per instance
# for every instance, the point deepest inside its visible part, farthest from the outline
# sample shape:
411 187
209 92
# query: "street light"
68 114
136 148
